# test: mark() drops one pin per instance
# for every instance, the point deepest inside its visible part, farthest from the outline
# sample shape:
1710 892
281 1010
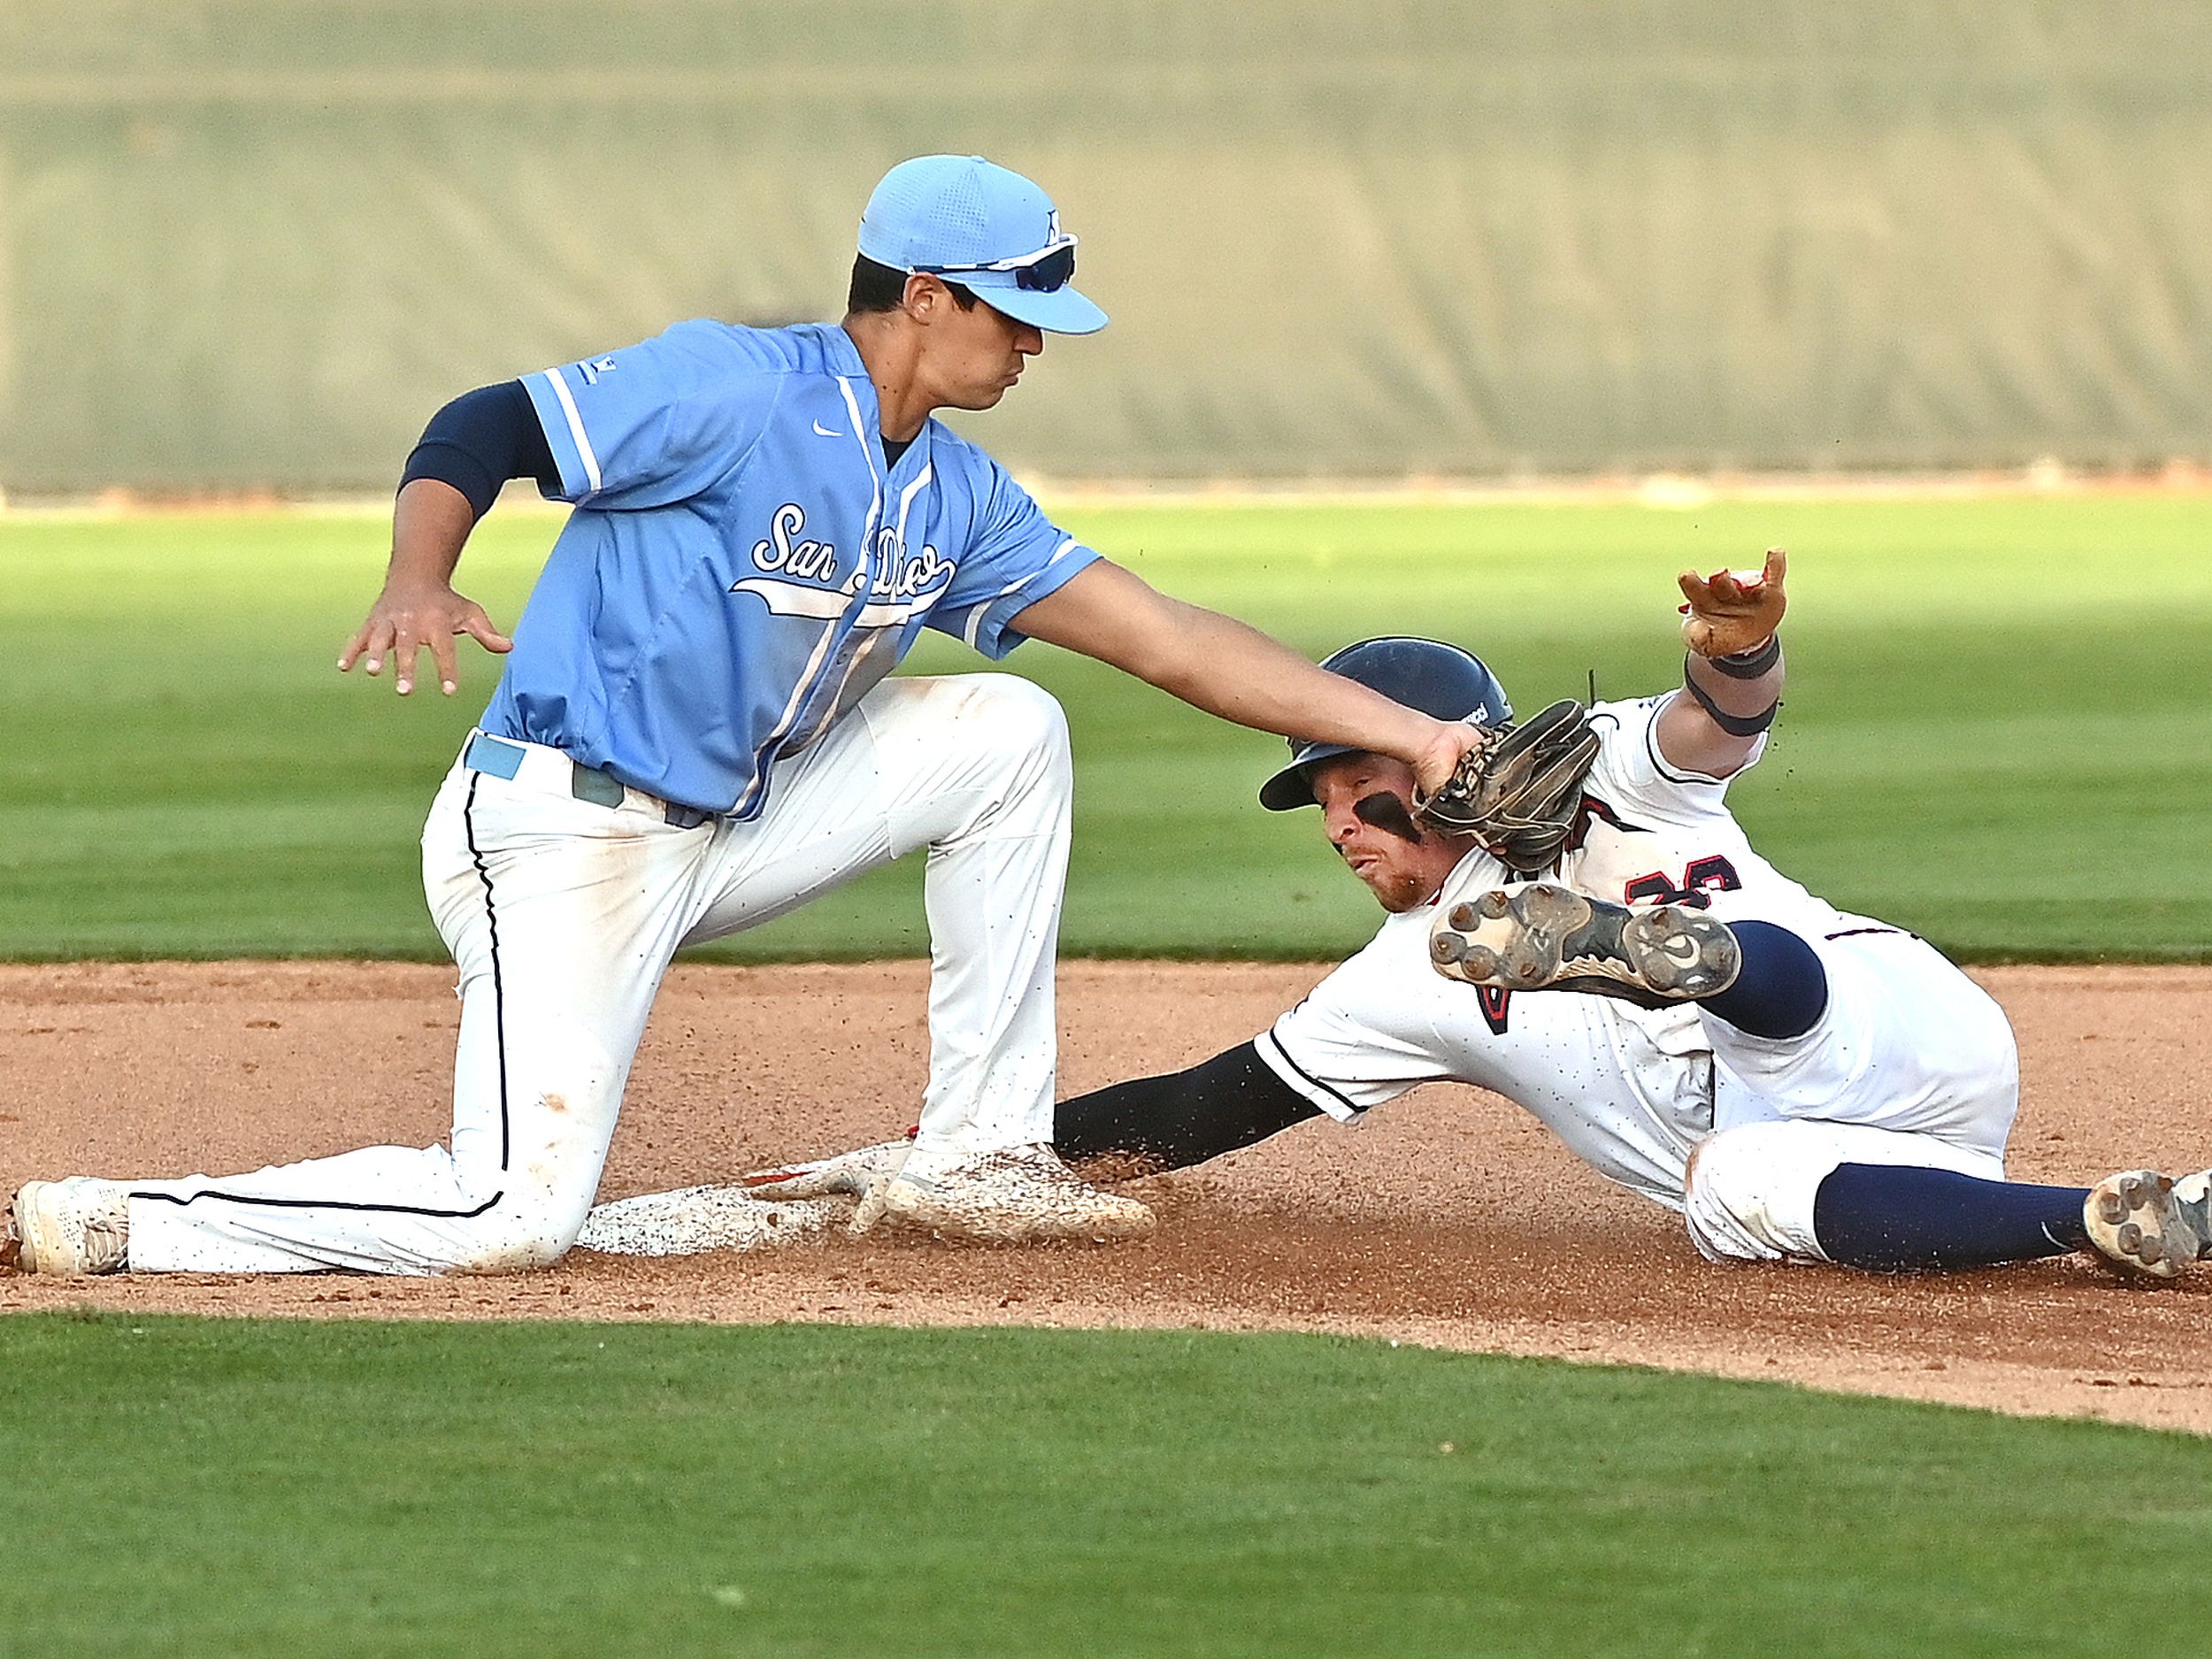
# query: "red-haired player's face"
1365 804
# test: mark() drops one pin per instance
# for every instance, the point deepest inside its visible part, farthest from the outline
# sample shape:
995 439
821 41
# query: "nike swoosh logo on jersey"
826 431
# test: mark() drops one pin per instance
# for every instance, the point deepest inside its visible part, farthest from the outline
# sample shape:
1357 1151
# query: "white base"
693 1219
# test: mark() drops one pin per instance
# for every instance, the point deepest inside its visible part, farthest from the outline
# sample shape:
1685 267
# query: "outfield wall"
254 242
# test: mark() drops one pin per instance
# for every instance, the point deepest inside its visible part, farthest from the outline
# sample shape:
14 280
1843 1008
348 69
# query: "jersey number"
1708 875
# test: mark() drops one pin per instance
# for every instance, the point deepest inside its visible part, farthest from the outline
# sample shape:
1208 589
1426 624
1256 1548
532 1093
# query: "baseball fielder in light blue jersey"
695 733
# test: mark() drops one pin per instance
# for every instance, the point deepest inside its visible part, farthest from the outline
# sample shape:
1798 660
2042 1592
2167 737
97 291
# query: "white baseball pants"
563 915
1912 1064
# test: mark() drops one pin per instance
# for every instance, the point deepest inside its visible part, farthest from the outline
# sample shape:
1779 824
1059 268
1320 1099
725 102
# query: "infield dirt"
1447 1218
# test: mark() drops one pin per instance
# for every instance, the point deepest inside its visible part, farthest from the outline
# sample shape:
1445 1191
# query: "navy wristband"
1751 663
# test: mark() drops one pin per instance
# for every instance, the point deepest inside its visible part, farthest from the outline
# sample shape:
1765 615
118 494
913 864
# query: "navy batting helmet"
1444 680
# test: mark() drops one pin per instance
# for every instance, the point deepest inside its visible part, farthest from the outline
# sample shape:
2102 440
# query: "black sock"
1897 1218
1782 990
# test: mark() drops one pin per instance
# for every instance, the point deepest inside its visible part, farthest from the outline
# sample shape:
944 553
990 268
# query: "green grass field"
1998 732
367 1489
1998 728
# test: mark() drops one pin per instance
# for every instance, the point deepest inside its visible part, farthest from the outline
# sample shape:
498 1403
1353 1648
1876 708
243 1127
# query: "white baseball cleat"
1548 938
1019 1195
70 1228
2150 1224
848 1173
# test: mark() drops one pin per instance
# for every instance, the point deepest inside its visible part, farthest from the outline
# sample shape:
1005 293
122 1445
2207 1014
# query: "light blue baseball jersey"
741 567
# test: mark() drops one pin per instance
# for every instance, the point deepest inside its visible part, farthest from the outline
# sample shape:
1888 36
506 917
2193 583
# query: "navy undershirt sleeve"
479 441
1185 1118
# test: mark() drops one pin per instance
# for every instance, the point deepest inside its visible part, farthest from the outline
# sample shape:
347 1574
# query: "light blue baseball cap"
989 230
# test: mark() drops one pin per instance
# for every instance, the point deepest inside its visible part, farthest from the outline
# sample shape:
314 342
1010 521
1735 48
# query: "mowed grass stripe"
275 1487
1998 724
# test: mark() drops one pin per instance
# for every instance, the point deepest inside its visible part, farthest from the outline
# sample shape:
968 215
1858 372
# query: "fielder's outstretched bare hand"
1731 611
405 619
430 521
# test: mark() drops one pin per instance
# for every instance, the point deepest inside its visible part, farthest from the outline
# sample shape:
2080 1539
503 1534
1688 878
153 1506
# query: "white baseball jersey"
1651 833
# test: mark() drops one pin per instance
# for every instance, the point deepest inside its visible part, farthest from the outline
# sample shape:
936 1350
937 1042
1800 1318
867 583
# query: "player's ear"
922 297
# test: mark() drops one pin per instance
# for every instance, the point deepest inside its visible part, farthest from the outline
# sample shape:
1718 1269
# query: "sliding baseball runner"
1580 923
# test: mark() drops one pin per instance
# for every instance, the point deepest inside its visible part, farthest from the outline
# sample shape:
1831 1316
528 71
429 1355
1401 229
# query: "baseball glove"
1517 794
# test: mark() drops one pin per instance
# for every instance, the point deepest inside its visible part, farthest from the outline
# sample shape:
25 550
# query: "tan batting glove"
1730 612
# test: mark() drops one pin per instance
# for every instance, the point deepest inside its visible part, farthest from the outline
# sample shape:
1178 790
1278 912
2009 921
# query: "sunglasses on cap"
1049 269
